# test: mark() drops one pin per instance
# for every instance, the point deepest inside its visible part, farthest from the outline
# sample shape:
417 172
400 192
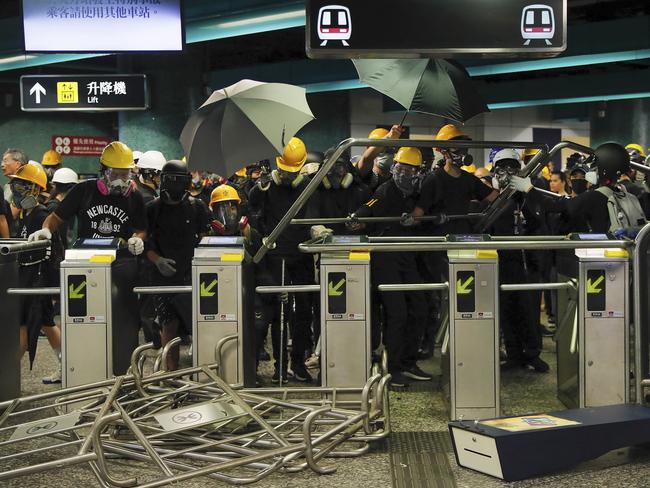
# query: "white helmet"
506 154
65 176
152 160
137 155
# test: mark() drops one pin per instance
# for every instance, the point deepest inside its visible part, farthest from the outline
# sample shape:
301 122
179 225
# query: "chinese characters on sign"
104 88
79 145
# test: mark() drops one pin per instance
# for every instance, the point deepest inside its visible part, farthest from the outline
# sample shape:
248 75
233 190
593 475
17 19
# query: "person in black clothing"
177 222
405 311
518 311
201 187
375 163
110 207
5 218
275 196
149 166
36 312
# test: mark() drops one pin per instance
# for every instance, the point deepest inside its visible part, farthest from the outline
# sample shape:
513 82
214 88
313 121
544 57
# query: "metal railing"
12 247
269 241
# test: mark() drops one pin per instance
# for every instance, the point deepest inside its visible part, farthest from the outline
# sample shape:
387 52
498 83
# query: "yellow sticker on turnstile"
486 254
529 422
234 257
359 256
616 253
102 258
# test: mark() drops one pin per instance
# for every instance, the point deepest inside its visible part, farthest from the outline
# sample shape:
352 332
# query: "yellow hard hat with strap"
293 156
409 155
117 155
224 193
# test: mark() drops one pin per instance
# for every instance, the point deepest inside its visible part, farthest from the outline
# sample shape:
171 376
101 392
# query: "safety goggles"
115 174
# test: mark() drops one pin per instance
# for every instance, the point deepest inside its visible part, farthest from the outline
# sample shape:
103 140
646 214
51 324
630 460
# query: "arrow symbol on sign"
206 291
593 287
38 90
75 293
462 288
335 291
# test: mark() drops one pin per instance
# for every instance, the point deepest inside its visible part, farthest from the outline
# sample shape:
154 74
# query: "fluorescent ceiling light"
257 20
15 59
560 101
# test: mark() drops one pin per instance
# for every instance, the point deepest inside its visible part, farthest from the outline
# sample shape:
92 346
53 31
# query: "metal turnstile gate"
86 312
345 315
223 309
471 364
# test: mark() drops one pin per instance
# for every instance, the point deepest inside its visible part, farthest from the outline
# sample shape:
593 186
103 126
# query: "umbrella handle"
403 118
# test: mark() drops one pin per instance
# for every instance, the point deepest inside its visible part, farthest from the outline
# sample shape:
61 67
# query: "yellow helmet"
33 173
378 133
409 155
51 158
241 172
117 155
450 132
546 173
470 169
224 193
638 147
529 152
293 156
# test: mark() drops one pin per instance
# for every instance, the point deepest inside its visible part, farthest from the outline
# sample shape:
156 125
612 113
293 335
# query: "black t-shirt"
388 201
27 223
586 212
148 193
443 193
5 210
175 230
103 215
341 203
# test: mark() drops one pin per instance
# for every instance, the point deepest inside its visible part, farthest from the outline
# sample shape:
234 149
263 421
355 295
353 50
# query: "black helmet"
612 160
175 181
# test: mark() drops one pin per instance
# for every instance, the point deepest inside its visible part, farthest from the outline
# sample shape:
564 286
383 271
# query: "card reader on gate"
95 249
468 237
581 236
222 241
98 243
346 239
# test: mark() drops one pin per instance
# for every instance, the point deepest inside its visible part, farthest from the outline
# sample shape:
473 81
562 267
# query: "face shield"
405 176
24 194
227 214
174 187
117 180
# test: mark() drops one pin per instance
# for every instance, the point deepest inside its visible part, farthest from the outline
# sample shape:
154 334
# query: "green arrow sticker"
206 291
75 293
335 290
592 286
463 288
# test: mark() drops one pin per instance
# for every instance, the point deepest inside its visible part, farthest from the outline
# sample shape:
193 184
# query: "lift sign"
208 293
336 293
596 284
465 291
77 296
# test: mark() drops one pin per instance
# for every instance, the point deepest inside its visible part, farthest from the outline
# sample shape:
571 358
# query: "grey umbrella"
432 86
242 124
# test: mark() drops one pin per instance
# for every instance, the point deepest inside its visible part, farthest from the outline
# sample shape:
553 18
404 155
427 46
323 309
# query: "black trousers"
517 309
405 312
126 317
298 270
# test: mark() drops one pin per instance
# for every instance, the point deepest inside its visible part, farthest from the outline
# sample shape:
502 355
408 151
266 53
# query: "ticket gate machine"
86 318
345 315
471 377
223 314
603 326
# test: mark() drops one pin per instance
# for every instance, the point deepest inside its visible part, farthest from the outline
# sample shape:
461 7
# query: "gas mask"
635 156
460 157
174 187
118 181
405 177
502 176
338 177
226 218
286 178
579 185
24 194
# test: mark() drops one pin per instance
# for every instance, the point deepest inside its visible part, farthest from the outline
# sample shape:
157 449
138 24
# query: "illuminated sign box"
427 28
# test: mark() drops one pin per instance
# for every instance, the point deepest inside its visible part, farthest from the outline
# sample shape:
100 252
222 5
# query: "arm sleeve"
428 193
69 207
151 210
375 206
139 216
479 190
203 217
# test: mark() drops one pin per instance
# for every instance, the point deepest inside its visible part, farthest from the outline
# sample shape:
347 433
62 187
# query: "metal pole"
34 291
445 246
161 290
414 287
537 286
269 241
9 248
370 220
270 290
282 329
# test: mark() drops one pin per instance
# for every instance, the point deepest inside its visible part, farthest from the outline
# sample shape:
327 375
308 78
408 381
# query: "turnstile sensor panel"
336 293
209 293
596 284
77 301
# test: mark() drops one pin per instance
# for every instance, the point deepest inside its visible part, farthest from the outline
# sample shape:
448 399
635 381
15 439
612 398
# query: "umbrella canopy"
431 86
242 124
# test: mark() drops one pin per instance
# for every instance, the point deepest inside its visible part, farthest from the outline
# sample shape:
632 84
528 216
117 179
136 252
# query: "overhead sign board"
88 93
425 28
